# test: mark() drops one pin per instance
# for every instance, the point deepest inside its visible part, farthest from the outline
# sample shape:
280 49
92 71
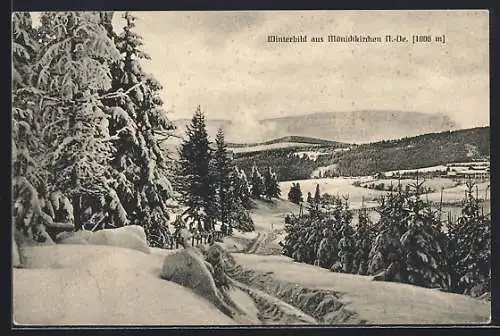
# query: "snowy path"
261 237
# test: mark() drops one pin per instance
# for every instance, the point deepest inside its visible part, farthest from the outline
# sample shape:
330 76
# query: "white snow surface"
103 285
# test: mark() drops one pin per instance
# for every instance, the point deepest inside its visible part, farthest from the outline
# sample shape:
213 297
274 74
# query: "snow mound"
188 268
131 236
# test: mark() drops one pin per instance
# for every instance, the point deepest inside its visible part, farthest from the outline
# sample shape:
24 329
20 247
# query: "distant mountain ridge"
348 127
290 138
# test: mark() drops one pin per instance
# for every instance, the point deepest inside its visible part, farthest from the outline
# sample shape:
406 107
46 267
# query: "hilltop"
290 142
290 138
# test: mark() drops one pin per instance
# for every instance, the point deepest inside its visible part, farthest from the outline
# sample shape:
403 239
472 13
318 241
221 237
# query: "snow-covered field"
105 285
336 186
343 186
438 168
434 183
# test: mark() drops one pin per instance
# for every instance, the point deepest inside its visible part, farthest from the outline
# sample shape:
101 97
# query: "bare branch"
60 226
52 124
120 92
167 135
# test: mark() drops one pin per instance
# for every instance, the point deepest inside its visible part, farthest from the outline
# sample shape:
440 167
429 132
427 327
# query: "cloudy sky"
222 61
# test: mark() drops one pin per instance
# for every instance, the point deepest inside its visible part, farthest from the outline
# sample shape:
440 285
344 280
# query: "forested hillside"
406 153
415 152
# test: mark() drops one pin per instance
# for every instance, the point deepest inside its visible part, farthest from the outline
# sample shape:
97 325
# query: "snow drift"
130 236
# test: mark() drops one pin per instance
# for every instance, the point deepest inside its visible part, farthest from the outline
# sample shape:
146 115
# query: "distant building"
472 173
478 174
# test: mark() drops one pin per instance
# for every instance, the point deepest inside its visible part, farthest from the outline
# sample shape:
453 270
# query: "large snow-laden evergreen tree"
423 245
257 183
56 105
72 73
136 123
195 181
40 211
470 247
363 239
243 188
27 150
225 187
271 185
385 254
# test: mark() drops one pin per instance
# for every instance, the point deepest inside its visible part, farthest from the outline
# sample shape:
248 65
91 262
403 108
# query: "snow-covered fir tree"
271 185
195 181
423 246
317 194
386 253
295 194
345 234
363 238
243 187
27 150
72 72
257 182
225 183
470 247
136 123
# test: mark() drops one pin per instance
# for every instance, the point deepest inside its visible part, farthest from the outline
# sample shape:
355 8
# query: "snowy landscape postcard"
251 168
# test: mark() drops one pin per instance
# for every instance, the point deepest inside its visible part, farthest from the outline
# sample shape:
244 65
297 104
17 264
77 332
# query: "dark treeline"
408 244
287 166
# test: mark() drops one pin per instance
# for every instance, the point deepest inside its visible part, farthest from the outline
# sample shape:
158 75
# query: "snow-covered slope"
372 301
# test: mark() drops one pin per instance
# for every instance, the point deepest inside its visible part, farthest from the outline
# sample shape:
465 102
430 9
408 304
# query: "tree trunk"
77 212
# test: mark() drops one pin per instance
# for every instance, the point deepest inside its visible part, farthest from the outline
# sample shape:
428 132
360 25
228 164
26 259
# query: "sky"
223 62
